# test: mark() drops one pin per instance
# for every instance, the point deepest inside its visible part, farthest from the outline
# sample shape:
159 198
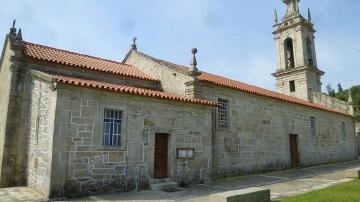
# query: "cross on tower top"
292 8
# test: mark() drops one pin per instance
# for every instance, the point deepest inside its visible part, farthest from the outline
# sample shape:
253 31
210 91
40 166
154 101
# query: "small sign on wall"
185 153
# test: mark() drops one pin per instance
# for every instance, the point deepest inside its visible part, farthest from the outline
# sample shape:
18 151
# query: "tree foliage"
355 92
330 90
340 89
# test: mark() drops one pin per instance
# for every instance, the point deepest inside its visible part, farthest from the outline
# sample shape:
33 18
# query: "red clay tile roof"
237 85
127 89
63 57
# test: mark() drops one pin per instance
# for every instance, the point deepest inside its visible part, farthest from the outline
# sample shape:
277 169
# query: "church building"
73 124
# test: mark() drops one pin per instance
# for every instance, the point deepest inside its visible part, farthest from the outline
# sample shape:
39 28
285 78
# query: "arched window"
289 53
309 51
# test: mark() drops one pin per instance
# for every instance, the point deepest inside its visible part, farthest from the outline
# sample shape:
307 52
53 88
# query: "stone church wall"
258 137
14 118
333 103
82 165
40 140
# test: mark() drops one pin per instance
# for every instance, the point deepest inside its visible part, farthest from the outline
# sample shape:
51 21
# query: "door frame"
297 164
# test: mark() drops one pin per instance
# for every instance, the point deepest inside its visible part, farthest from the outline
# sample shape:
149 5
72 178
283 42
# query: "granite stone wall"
5 78
258 137
14 121
331 102
41 136
82 165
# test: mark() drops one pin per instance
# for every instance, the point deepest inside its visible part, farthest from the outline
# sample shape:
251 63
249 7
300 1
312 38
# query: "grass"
347 192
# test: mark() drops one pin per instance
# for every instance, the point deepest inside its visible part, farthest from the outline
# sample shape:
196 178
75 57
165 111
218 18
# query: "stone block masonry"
41 139
257 139
83 166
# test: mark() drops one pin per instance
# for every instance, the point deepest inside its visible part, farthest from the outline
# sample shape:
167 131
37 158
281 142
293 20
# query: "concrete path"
281 184
21 194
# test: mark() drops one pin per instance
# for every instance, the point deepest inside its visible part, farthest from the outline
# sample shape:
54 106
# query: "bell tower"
297 72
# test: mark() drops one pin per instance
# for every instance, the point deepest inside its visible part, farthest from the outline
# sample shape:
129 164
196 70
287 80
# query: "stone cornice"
298 69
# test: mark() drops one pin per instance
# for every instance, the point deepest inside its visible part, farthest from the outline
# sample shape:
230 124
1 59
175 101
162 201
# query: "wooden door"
161 155
294 156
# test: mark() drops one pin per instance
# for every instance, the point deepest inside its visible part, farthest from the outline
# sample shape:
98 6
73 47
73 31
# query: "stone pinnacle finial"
133 46
13 29
309 15
276 17
194 62
19 35
350 100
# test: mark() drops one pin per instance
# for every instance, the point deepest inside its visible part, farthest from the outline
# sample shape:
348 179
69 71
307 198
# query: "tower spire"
276 17
309 15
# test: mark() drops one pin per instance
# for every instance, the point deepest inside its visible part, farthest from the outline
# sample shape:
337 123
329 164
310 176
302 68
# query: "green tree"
355 92
340 89
330 90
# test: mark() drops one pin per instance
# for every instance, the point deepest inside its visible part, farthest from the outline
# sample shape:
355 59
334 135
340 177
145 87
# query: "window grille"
313 126
223 113
112 127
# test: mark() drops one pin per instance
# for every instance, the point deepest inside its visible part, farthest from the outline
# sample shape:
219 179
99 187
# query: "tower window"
292 86
289 53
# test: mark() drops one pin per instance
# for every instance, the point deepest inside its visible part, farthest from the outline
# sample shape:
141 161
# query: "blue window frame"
112 127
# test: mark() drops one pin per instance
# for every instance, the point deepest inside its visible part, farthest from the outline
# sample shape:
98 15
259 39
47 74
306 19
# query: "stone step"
163 186
157 181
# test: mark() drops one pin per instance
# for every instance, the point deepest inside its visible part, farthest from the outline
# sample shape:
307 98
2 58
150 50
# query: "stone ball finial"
194 51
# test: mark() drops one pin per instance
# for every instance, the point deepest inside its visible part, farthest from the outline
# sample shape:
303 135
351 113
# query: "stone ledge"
353 173
243 195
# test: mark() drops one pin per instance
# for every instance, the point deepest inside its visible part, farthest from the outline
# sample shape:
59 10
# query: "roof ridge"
76 53
65 57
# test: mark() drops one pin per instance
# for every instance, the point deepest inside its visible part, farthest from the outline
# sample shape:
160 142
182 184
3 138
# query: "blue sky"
233 36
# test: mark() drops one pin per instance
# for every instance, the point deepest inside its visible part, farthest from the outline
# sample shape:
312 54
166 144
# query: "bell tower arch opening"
309 51
289 53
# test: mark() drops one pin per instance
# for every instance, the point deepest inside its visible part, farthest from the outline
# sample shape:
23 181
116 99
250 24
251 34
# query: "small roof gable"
64 57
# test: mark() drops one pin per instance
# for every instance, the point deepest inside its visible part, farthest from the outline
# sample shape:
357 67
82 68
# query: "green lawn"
340 193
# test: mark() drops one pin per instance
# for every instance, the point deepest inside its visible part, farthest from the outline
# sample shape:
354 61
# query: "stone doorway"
161 156
294 155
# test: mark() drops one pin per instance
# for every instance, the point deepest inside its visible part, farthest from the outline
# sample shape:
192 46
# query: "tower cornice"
290 24
285 72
